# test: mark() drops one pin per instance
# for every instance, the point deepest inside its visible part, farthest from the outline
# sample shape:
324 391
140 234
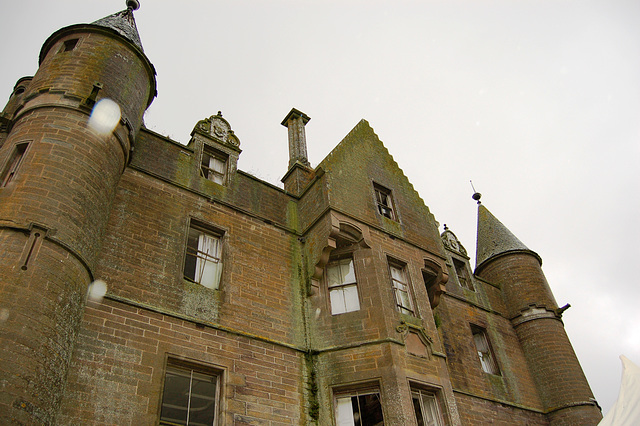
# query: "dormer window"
384 201
463 275
214 165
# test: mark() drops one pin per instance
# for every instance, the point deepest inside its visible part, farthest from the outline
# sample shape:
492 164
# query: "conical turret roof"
123 23
494 238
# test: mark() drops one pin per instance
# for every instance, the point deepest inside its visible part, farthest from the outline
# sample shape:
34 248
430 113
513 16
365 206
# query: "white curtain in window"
217 166
344 412
208 265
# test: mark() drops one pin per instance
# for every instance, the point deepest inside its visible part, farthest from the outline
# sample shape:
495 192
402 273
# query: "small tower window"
485 354
384 201
463 274
69 45
11 168
214 166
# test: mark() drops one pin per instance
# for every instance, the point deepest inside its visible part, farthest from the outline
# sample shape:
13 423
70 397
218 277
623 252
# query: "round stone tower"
58 174
563 388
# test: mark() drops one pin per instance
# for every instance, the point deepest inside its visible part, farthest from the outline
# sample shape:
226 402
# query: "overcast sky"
538 102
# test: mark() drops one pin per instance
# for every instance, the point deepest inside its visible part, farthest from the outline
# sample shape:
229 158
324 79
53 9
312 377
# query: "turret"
503 259
58 179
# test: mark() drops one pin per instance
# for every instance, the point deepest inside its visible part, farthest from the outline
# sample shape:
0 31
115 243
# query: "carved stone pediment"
451 242
218 129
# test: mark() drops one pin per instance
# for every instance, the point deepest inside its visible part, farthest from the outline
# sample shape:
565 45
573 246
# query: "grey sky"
537 101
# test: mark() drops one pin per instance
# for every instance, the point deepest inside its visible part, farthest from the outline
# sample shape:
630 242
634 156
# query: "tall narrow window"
189 397
203 263
463 274
361 408
214 166
425 406
487 359
384 201
11 168
343 287
400 284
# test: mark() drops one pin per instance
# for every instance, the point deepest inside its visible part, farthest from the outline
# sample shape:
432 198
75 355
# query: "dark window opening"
11 168
359 409
384 201
69 45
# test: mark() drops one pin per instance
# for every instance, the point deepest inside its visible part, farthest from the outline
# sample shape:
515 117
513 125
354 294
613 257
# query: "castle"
230 301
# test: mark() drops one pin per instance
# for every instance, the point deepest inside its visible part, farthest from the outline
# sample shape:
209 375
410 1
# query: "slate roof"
124 23
494 238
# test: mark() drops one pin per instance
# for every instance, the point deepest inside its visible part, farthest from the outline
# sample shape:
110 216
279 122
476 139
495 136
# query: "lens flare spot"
104 117
97 290
4 314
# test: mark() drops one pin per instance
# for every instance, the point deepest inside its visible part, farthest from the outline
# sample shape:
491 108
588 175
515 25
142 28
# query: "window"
343 288
400 284
203 264
12 165
189 396
214 165
384 201
361 408
463 276
487 359
425 406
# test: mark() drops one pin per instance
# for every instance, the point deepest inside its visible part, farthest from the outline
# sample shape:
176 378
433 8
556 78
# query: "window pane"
431 417
336 297
397 274
418 410
217 165
351 301
334 277
348 273
370 410
203 400
344 412
175 398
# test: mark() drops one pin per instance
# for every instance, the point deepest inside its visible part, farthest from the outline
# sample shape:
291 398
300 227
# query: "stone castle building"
230 301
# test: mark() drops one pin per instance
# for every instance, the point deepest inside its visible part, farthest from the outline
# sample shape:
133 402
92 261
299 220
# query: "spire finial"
133 4
476 195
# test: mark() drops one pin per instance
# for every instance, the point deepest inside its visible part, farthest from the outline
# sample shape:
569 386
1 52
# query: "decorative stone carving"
451 242
219 129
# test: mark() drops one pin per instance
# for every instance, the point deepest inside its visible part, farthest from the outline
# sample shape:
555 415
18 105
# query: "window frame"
403 269
13 163
182 366
191 254
486 357
210 173
359 391
438 406
462 274
384 202
339 260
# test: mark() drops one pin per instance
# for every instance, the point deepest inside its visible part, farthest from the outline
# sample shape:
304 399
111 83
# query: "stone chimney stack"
295 122
300 172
